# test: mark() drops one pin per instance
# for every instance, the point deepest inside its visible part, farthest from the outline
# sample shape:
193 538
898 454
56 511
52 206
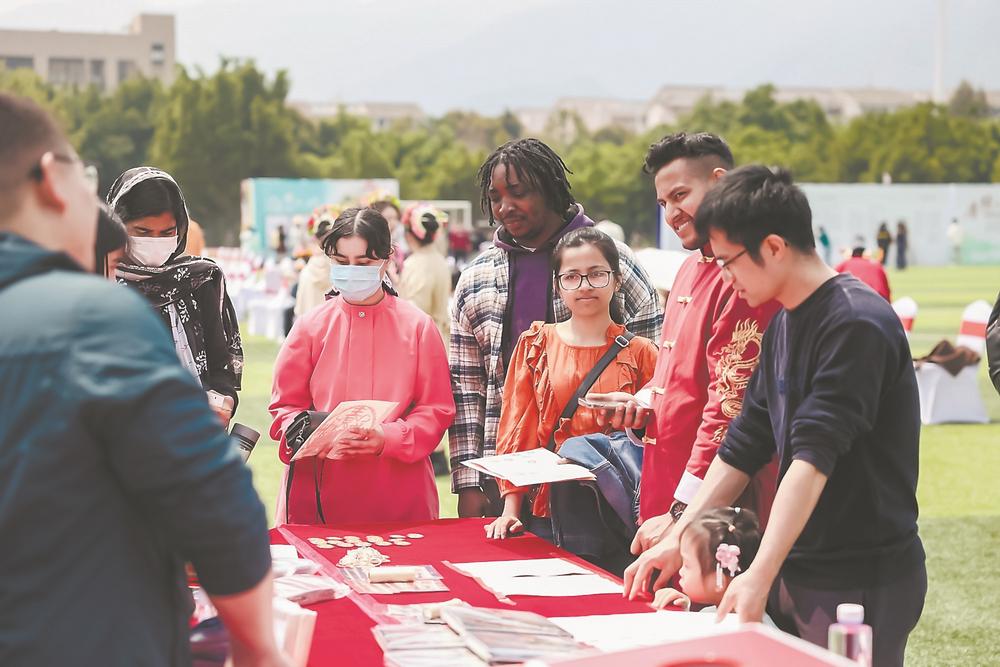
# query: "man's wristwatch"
677 509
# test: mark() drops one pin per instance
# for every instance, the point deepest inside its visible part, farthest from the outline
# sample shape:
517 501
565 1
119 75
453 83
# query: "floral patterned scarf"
173 287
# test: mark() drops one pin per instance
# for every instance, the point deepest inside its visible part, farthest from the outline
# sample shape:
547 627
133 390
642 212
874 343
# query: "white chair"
906 310
955 399
249 291
974 320
266 315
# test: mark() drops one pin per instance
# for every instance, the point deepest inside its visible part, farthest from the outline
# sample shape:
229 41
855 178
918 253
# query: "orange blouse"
544 373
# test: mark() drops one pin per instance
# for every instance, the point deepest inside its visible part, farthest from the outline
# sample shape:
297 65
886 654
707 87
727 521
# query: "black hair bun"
429 222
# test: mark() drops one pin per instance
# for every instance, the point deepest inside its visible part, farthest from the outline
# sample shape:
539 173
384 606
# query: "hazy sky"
486 56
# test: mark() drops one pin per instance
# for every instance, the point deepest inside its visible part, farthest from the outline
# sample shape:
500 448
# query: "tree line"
211 130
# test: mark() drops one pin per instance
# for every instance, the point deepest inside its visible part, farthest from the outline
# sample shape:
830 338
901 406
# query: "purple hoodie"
530 296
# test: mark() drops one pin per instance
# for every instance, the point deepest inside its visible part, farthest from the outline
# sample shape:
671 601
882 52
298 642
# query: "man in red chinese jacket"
709 349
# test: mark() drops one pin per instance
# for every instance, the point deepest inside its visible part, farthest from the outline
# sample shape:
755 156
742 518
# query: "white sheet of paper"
530 567
283 552
545 577
535 466
568 585
617 632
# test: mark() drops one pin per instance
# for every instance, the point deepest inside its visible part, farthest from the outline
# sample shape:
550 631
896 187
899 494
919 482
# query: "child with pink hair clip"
719 544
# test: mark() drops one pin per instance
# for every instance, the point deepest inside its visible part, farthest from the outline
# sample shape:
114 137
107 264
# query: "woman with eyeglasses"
551 360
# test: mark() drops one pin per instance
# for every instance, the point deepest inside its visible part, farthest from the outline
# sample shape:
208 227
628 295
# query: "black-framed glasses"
574 281
36 172
724 264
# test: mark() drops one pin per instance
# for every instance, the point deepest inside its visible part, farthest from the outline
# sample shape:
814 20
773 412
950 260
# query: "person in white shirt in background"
426 279
956 235
612 229
314 279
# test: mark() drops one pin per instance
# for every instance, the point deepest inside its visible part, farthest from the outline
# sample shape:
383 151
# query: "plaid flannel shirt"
476 358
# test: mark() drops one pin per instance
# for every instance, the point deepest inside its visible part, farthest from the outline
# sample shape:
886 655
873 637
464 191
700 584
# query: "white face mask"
356 283
151 251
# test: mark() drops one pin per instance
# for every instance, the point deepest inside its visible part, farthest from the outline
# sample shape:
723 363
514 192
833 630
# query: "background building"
671 103
381 114
103 60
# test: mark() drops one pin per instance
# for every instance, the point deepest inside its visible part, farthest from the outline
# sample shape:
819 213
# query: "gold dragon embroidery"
735 366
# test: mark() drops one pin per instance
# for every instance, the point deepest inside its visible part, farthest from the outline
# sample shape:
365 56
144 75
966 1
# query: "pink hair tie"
413 218
418 230
727 557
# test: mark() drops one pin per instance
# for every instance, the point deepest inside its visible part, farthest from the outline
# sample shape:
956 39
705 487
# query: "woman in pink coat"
364 343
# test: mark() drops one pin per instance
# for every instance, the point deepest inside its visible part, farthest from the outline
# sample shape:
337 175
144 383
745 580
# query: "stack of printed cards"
503 636
404 637
427 612
306 589
433 657
425 580
422 645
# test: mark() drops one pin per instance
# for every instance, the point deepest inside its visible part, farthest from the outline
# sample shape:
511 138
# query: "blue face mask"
356 283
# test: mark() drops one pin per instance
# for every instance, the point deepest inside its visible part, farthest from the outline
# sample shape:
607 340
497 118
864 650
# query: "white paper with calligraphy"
530 467
347 415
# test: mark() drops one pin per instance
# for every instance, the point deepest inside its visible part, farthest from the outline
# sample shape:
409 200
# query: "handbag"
596 520
550 529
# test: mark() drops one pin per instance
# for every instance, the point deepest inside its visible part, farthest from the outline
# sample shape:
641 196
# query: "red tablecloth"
343 629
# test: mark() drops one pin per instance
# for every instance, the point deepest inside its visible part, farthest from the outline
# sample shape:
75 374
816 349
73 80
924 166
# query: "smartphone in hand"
599 405
221 405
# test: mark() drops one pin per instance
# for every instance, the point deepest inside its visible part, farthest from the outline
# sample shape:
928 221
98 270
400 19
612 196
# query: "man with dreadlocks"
525 188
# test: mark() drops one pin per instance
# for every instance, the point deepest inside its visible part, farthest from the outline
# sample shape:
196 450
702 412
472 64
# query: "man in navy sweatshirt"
114 471
834 398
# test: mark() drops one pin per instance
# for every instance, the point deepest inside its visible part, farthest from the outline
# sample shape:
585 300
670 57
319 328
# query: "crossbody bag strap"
619 344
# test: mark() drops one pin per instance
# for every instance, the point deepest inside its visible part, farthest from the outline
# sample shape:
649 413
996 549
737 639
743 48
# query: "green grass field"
958 492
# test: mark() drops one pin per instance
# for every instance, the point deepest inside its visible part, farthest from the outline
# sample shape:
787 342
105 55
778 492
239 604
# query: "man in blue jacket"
113 469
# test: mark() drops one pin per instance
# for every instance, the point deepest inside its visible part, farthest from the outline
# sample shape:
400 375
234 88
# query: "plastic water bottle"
849 636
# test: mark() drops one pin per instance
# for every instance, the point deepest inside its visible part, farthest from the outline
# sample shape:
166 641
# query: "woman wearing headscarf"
188 292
